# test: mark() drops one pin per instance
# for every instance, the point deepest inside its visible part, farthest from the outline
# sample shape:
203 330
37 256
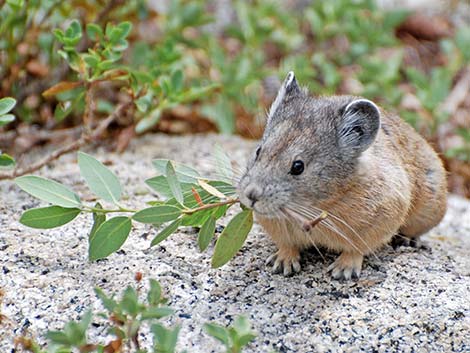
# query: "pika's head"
309 150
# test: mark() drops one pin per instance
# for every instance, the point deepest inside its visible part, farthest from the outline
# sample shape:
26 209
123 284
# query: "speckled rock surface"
407 300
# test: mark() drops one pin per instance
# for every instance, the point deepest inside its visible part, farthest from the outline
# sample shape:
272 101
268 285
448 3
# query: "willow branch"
211 205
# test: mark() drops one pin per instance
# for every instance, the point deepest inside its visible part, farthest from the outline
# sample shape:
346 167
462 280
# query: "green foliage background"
183 56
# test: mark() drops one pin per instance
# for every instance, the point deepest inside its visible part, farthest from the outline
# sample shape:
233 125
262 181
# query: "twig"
211 205
308 225
70 147
7 138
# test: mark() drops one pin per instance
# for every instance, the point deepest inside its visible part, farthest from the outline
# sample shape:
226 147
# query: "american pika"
371 173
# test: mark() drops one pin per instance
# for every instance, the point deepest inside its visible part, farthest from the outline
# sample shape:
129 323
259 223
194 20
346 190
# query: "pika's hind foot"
348 265
399 240
285 261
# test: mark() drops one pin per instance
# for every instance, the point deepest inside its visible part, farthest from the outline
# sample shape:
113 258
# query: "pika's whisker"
331 227
331 223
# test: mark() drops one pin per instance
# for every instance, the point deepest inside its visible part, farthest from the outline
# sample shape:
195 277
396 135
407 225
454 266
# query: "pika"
341 156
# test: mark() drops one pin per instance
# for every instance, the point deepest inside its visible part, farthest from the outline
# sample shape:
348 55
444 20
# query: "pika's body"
369 170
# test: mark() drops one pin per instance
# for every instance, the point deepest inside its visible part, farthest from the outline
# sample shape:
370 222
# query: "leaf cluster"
126 317
6 105
187 199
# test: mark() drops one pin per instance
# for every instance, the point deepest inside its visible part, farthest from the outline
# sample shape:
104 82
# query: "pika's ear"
359 125
288 87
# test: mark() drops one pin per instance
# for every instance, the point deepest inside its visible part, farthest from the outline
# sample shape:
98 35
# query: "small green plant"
260 23
190 200
234 338
360 22
153 91
6 105
126 317
431 92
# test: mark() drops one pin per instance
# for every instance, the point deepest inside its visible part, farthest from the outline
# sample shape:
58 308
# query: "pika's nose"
253 193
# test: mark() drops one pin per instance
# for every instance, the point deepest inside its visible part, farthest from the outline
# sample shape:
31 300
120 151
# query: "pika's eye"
258 150
297 168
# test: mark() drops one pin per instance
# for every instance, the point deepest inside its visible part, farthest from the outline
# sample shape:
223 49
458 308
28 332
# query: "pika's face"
309 150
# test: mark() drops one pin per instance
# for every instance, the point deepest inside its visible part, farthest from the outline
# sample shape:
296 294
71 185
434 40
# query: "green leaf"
462 40
157 214
94 32
173 182
223 163
150 120
221 112
155 292
220 211
218 332
6 161
108 302
91 60
242 325
232 238
73 33
6 119
160 185
16 3
98 220
130 301
184 173
206 233
109 237
100 179
196 219
48 217
49 191
196 93
165 233
76 331
394 18
6 104
58 337
177 80
125 28
243 340
157 313
165 339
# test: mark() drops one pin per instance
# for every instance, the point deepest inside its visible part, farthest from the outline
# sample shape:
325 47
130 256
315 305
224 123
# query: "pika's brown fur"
376 180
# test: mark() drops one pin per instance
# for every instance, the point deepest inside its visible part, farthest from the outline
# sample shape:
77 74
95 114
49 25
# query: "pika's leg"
288 240
285 260
400 239
348 265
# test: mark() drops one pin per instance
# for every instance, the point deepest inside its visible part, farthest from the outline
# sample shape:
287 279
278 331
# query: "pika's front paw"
347 266
285 261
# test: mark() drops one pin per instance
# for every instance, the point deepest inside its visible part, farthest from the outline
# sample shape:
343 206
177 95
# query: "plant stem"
211 205
188 211
103 210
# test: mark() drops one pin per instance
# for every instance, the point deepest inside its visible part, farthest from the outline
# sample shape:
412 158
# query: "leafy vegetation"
126 317
6 105
190 200
146 64
128 65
